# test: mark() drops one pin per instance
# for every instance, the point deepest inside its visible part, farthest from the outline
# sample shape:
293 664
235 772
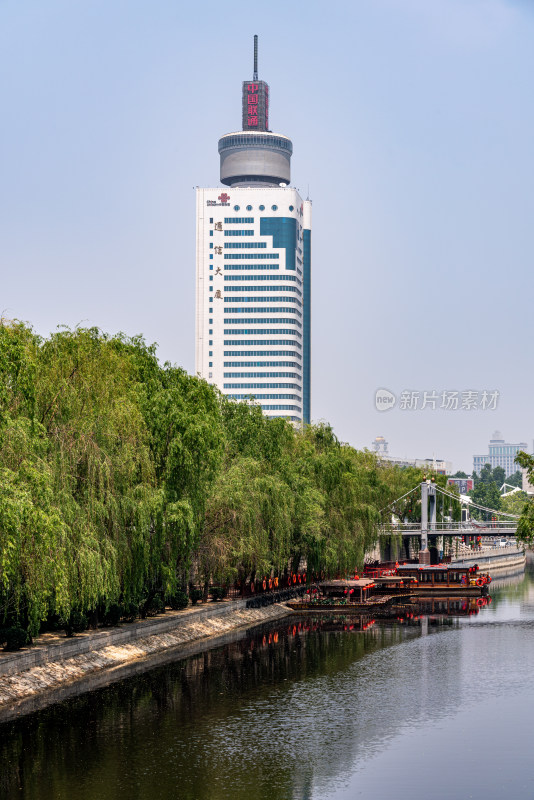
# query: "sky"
412 125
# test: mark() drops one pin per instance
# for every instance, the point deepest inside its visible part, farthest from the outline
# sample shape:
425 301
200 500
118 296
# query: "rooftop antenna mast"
255 76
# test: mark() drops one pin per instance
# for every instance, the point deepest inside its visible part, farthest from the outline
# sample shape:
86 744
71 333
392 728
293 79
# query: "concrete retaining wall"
75 671
54 647
496 560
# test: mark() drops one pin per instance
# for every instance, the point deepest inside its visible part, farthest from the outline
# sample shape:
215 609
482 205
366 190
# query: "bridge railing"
473 527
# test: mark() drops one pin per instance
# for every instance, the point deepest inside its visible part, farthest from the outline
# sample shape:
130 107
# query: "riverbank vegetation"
122 480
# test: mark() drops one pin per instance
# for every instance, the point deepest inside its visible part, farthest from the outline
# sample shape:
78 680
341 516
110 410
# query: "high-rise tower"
254 268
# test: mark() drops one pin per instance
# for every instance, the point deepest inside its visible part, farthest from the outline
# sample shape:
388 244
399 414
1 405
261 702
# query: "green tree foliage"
486 491
525 526
514 503
120 478
485 494
106 461
516 479
499 476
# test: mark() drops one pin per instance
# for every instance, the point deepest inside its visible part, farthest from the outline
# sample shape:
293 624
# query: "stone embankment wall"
498 561
58 668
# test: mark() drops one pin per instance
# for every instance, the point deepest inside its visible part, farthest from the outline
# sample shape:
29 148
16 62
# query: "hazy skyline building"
501 454
253 268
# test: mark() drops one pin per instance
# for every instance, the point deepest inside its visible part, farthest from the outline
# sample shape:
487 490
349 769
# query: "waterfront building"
253 269
501 454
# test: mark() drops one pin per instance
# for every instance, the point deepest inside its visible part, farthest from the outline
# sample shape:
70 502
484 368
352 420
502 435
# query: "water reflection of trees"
268 715
516 587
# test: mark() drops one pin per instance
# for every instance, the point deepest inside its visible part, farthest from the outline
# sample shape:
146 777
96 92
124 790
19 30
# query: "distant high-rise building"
380 445
501 454
253 278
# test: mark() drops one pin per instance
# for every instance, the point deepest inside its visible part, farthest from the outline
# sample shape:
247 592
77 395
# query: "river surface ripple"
428 709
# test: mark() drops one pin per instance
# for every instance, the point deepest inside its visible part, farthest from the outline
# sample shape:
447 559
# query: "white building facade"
253 296
501 454
253 270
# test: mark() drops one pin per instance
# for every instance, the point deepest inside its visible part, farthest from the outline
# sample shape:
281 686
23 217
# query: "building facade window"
261 342
265 396
259 277
284 232
282 408
264 310
251 256
261 364
260 331
267 288
294 386
260 375
261 353
255 267
262 299
269 321
244 245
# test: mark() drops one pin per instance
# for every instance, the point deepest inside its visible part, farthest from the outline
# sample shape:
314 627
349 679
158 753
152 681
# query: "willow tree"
33 553
106 461
525 526
248 523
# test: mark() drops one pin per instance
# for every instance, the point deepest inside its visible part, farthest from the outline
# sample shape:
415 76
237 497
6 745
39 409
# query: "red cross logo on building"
224 197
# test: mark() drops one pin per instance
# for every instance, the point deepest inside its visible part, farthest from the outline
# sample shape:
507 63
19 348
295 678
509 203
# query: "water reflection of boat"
451 606
434 606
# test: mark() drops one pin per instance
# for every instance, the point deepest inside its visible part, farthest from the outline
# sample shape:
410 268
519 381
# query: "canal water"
426 707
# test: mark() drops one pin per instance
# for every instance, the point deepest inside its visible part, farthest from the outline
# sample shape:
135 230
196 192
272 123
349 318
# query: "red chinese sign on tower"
252 105
255 106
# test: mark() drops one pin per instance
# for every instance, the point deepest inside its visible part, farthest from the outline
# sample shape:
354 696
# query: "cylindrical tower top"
255 156
255 159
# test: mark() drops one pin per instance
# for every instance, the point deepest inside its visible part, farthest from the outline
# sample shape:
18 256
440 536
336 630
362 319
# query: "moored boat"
353 594
444 579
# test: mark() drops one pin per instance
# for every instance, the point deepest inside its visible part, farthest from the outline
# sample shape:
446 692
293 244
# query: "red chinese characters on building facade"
252 104
255 106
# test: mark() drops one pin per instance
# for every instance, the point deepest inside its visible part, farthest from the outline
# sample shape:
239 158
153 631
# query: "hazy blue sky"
413 129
